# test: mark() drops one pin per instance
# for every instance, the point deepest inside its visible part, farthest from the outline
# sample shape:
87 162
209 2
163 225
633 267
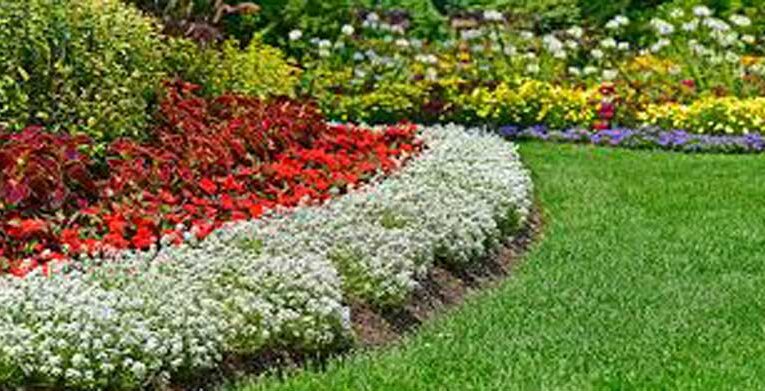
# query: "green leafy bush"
258 70
90 66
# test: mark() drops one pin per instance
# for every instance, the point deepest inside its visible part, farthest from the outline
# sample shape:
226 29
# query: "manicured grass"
651 275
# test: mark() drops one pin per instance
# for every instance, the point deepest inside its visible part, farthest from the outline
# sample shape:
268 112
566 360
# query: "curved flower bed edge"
280 281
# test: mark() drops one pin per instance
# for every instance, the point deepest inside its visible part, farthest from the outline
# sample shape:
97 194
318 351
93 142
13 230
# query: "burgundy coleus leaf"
16 192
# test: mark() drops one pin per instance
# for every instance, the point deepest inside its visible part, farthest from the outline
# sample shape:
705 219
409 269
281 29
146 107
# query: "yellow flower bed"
531 102
711 115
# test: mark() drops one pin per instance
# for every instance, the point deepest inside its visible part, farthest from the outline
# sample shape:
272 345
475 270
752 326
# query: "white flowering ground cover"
280 281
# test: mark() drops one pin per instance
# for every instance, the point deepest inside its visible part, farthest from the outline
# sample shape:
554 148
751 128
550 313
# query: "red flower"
256 210
208 186
31 227
606 111
600 125
71 238
226 202
143 238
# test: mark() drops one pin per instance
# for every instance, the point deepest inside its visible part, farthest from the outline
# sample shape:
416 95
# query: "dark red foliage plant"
207 162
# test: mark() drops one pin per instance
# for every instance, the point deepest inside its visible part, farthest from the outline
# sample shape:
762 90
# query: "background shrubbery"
87 65
96 67
258 70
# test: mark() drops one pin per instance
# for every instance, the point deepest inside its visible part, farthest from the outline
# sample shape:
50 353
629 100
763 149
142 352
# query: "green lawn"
651 275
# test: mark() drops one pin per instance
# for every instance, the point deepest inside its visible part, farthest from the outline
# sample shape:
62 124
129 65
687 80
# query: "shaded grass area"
650 275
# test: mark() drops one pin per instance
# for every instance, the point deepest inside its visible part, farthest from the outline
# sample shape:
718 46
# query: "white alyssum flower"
697 48
726 39
748 38
596 54
659 45
552 43
690 26
617 22
623 46
402 43
431 74
732 57
716 24
590 70
426 58
471 34
372 17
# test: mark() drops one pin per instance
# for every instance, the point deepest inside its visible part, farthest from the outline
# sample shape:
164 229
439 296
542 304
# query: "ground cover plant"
645 138
648 277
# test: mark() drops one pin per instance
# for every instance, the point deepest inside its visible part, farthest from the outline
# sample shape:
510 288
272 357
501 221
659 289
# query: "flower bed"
685 69
211 161
676 140
279 281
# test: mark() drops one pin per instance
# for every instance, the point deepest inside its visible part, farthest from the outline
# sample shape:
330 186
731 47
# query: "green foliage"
258 70
252 245
392 220
322 18
426 19
357 281
511 224
90 66
387 104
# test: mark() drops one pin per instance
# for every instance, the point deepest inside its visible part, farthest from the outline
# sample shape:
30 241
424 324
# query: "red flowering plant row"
207 163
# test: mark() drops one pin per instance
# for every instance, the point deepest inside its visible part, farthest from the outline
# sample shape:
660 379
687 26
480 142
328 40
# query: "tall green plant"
90 66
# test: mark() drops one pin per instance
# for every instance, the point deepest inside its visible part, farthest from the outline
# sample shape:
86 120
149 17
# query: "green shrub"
322 18
258 70
427 21
89 66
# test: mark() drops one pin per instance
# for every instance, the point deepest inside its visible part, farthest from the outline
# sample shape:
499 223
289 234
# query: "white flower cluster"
281 280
